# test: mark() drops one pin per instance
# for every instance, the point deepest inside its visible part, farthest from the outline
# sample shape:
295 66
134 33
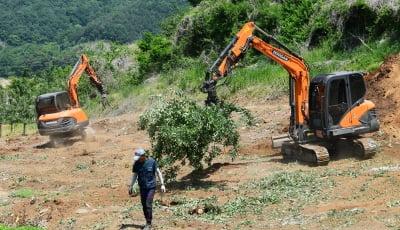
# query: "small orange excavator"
58 114
328 114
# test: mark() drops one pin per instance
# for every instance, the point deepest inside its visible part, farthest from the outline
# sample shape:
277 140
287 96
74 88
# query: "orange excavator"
328 113
59 114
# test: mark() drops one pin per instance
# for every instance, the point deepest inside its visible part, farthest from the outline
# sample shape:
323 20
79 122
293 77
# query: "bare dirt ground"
83 185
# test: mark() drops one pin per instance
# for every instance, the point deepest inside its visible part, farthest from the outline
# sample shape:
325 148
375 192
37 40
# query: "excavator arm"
83 65
293 63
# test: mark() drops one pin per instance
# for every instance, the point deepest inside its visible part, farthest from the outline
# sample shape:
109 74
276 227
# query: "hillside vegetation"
330 35
36 35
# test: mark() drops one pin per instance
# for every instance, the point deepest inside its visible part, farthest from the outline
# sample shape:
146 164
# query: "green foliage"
302 185
29 57
182 131
211 27
295 14
59 25
272 76
68 22
155 53
20 106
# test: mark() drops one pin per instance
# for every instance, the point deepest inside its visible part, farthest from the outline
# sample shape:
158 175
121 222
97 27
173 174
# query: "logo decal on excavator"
279 55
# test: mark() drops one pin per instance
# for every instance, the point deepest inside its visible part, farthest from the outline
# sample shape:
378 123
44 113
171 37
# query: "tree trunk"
1 126
24 130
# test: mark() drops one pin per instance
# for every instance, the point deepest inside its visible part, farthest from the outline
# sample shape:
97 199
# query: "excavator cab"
52 103
337 105
56 117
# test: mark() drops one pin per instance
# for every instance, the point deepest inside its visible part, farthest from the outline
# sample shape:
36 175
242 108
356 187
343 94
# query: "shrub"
182 131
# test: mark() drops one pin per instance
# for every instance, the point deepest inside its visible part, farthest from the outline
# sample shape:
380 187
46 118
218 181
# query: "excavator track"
310 153
365 147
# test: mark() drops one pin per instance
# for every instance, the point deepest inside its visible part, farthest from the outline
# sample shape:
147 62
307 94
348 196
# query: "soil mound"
384 91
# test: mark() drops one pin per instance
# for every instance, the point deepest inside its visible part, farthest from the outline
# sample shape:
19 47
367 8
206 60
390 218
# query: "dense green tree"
156 52
21 93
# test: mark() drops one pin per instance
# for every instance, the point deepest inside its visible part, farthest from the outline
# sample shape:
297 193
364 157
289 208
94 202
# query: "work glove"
104 101
162 188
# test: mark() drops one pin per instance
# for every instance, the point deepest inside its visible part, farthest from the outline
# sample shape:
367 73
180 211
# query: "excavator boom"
83 65
288 59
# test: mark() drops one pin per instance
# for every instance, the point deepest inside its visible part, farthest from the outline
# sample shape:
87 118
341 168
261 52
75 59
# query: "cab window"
337 101
357 87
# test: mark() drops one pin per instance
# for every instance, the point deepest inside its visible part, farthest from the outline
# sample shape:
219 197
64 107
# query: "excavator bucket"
278 140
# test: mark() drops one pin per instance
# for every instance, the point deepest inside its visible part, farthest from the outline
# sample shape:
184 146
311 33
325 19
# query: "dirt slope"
384 91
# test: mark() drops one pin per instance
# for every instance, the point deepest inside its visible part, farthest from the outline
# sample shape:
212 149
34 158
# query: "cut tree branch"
361 40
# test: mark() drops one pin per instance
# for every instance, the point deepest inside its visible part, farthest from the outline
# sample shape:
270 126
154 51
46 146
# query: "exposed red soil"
383 90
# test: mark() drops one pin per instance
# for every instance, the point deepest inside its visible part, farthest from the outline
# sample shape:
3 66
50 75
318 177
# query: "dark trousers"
146 196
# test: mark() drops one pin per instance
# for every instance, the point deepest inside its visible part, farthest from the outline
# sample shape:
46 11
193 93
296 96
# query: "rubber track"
320 152
368 147
311 153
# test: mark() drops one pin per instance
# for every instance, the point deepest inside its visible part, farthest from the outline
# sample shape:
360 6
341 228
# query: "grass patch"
82 166
17 130
23 193
291 190
306 186
394 204
10 157
4 227
344 217
345 212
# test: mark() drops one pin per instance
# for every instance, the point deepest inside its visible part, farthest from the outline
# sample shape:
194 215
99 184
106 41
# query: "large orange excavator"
59 114
328 114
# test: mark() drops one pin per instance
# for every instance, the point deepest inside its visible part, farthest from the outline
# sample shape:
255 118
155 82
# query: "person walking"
144 170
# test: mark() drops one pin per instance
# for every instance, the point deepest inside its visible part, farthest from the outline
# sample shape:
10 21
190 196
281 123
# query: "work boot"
147 227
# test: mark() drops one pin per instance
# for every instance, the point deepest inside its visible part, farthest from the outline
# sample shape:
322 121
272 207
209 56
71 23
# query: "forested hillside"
346 34
37 34
342 25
